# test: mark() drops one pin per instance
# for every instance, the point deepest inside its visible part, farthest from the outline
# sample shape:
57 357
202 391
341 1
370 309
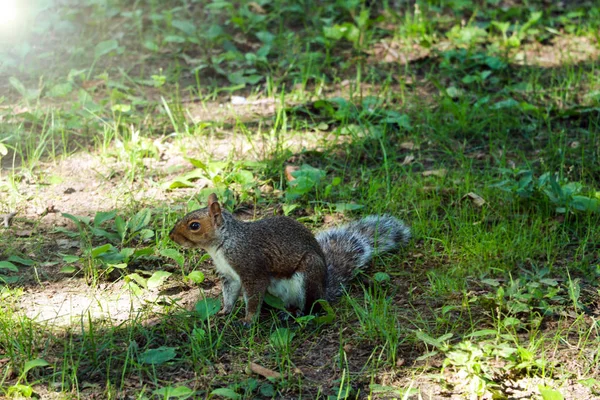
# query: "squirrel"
281 256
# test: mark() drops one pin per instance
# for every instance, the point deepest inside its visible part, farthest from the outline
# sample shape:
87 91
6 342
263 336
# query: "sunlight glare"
8 12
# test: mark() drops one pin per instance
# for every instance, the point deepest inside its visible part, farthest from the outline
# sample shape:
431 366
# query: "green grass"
476 122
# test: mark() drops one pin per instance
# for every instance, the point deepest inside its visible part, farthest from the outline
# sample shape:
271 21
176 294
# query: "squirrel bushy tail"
350 247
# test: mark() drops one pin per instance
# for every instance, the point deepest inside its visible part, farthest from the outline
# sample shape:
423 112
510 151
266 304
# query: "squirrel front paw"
224 311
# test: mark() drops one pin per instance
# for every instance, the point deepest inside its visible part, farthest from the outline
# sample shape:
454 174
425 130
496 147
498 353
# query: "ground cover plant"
477 122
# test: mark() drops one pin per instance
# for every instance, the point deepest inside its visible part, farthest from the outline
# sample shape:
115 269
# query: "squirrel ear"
214 211
212 198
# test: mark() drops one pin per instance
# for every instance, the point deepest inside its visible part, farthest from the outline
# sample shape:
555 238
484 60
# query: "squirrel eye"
195 226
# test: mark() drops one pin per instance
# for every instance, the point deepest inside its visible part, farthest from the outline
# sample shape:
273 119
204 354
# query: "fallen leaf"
436 172
67 243
254 6
262 371
91 84
478 156
475 199
408 146
408 159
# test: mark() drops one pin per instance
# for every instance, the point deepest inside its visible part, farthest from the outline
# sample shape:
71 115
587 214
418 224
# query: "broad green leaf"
9 266
137 278
173 254
105 47
23 390
118 266
483 332
281 338
549 393
121 226
143 252
97 251
140 220
146 234
8 279
158 356
267 390
60 90
583 203
438 343
196 276
70 259
104 234
77 220
174 39
329 313
341 207
127 252
68 269
38 362
381 277
22 261
198 164
288 208
134 288
102 217
265 37
122 108
226 392
186 26
207 308
178 183
180 392
244 177
157 279
150 45
274 301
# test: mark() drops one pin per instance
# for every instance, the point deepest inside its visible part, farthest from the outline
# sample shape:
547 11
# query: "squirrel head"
199 228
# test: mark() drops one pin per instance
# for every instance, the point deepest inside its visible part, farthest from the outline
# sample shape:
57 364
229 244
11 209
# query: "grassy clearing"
476 122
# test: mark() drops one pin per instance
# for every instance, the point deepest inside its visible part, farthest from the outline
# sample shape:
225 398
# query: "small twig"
7 218
262 371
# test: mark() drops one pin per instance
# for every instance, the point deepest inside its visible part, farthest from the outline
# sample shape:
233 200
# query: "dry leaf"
436 172
257 8
94 83
408 159
475 199
262 371
288 172
408 146
478 156
68 243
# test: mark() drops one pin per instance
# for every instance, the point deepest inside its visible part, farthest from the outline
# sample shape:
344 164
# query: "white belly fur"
290 291
223 266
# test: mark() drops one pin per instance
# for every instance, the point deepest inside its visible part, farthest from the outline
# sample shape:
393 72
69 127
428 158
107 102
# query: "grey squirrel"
281 256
